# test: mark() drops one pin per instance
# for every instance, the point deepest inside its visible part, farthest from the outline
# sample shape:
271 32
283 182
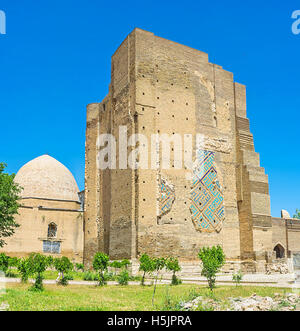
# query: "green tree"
159 264
115 265
13 261
212 261
100 265
123 277
50 261
172 264
63 265
125 264
237 277
297 214
79 267
38 264
24 268
146 266
9 204
4 262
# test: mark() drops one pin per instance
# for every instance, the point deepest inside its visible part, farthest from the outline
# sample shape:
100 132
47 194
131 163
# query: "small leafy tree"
12 261
297 214
146 266
100 265
50 261
79 267
24 269
115 265
172 264
123 277
38 265
237 277
212 261
159 264
9 204
4 262
125 264
63 265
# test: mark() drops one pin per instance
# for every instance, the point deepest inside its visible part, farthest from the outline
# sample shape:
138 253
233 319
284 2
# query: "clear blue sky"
55 59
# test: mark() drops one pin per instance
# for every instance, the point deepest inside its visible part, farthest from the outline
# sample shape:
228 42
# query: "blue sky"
55 59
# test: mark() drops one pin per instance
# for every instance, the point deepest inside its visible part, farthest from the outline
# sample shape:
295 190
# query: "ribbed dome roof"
45 177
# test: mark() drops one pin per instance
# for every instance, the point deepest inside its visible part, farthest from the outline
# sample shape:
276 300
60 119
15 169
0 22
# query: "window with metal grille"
51 247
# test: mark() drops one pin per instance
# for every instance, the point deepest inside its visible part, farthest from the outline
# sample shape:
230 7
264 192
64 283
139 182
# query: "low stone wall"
193 269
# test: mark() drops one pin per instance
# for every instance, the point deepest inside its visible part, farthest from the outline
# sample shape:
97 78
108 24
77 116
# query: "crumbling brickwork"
159 86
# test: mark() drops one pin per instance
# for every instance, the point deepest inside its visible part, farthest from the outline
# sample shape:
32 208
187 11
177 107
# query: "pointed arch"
52 230
280 251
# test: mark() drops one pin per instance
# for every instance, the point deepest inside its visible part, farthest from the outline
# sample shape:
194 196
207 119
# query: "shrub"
100 265
125 264
50 261
38 265
237 277
12 261
4 262
115 265
63 265
123 278
79 267
146 266
90 276
212 261
172 264
24 269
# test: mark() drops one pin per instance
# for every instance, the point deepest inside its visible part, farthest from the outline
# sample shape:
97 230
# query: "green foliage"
79 267
297 214
125 264
4 262
12 261
146 266
63 265
38 265
237 277
212 261
123 278
159 264
115 265
50 261
24 269
100 264
9 205
172 264
90 276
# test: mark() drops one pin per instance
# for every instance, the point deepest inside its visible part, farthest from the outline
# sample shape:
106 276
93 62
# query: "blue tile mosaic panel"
207 206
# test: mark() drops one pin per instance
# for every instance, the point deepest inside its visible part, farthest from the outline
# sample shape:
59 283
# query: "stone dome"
45 177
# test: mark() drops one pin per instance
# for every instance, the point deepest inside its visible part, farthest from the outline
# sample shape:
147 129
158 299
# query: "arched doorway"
279 251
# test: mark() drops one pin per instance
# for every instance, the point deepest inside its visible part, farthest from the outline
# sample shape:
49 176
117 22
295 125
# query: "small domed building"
51 213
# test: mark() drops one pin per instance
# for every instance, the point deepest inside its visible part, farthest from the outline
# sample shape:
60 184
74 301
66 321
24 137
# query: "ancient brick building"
161 87
50 216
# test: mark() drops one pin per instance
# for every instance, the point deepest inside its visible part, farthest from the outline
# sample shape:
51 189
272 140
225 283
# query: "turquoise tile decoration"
207 199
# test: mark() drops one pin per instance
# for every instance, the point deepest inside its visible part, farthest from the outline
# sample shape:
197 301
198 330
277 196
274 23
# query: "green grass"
76 275
118 298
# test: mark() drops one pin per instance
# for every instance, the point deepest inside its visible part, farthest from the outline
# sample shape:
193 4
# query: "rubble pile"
288 302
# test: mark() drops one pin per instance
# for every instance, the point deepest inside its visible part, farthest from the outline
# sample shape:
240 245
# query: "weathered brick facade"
158 86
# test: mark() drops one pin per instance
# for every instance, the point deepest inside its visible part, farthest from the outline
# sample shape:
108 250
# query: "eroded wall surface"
161 87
